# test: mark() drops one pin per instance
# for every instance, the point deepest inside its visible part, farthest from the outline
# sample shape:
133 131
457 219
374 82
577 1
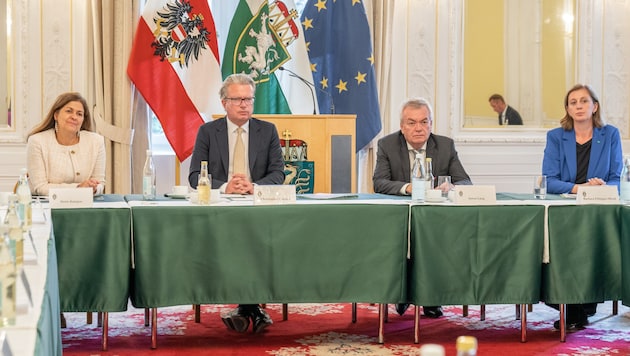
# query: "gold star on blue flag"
340 52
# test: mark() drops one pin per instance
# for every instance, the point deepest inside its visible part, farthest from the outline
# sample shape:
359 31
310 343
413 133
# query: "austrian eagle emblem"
180 34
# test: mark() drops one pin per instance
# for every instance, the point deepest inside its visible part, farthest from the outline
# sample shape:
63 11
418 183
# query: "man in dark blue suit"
259 162
507 114
396 153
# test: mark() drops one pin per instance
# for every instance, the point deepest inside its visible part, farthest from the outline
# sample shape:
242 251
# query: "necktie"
238 164
412 155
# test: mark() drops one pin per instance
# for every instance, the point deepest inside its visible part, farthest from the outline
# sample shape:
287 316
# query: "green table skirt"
264 254
476 254
584 253
625 254
94 258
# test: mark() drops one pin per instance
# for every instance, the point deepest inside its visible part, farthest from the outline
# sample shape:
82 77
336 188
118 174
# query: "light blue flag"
338 40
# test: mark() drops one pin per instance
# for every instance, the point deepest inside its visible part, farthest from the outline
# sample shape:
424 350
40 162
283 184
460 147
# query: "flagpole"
178 167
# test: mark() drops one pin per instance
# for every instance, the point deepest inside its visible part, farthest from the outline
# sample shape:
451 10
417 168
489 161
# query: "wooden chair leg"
464 310
518 312
615 307
285 311
99 319
482 313
354 313
88 318
530 308
146 316
197 309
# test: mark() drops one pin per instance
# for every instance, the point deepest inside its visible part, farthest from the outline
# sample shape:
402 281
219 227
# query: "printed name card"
597 194
475 195
61 198
274 194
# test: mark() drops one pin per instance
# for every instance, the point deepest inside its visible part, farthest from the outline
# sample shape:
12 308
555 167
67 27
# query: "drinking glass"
540 187
444 184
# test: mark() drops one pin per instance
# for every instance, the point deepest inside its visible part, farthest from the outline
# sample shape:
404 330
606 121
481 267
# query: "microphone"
311 86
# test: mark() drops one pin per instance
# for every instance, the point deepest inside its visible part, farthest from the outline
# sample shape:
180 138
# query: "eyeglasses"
240 101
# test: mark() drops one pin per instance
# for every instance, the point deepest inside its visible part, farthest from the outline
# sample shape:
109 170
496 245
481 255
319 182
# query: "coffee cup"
434 195
4 198
215 195
180 190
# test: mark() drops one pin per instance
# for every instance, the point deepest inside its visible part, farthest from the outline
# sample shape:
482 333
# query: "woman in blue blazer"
583 151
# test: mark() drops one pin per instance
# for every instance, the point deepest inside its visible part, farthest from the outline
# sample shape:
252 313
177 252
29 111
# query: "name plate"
597 194
274 194
475 195
61 198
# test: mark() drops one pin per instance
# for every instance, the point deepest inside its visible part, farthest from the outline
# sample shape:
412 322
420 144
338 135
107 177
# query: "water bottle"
432 350
429 183
466 346
14 228
418 179
204 185
148 178
24 207
624 181
8 273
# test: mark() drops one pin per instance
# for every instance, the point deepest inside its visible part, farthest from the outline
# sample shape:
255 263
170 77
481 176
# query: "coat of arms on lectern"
297 169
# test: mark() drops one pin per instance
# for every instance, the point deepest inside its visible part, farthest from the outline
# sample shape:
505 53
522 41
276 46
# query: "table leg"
523 314
563 325
416 324
105 337
381 323
154 328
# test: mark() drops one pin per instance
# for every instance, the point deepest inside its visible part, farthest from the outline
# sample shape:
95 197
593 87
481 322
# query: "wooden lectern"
331 145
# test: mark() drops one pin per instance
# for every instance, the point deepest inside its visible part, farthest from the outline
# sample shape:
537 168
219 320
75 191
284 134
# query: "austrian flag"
174 64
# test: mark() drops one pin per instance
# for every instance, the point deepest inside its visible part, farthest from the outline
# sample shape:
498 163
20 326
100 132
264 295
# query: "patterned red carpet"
326 329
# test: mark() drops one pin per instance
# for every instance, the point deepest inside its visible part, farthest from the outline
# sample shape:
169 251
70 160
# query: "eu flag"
337 37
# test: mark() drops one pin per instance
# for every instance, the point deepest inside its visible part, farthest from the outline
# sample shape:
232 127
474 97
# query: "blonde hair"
237 78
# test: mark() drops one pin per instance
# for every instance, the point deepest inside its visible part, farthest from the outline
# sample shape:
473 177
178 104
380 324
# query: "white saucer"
441 200
176 196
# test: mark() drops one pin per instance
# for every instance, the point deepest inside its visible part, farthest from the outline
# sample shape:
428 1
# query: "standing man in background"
241 151
507 114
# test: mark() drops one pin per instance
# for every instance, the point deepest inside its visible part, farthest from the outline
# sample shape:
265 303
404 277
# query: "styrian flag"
175 65
265 40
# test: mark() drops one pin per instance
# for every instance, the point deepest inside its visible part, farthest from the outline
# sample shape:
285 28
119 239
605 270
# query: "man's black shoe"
401 308
261 320
590 309
572 325
237 320
432 312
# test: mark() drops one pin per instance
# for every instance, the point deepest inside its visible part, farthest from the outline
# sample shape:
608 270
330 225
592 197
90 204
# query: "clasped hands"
239 184
590 181
90 183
